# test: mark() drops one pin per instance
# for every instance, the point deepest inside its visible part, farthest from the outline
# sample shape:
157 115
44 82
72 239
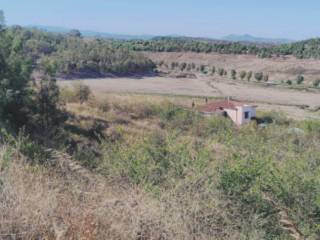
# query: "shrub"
300 79
258 76
203 68
233 74
316 83
221 71
183 66
289 82
82 92
213 70
243 74
249 76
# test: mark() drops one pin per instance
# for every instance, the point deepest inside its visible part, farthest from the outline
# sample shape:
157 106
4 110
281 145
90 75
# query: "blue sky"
295 19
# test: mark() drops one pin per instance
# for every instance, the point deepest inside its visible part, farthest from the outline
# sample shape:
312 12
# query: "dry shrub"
70 202
36 203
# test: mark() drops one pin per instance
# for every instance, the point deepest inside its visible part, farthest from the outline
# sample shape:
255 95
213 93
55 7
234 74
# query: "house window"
246 115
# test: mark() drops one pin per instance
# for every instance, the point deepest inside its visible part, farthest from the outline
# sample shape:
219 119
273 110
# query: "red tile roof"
220 105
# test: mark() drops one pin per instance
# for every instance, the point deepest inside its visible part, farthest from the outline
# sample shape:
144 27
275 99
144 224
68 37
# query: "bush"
289 82
258 76
82 92
203 69
300 79
243 75
221 71
316 83
233 74
213 70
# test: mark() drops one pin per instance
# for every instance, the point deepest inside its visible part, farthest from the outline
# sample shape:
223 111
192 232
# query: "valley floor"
297 104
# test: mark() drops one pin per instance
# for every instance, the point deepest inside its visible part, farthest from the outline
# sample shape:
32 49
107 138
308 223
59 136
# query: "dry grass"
70 202
41 204
281 68
58 204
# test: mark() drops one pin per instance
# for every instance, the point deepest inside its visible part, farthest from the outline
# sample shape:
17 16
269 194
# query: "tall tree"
2 19
15 70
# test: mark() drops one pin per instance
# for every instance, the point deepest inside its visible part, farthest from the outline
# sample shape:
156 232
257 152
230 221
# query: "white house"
239 113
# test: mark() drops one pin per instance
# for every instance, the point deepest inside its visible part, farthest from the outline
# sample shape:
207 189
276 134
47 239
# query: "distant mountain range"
253 39
232 38
89 33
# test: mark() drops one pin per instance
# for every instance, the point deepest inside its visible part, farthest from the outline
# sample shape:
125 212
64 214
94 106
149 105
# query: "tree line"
232 73
69 54
303 49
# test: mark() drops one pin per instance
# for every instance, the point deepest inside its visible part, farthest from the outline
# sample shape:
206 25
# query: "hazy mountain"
250 38
233 37
89 33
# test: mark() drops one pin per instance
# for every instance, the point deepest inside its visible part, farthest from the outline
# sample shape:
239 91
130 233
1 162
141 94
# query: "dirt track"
285 99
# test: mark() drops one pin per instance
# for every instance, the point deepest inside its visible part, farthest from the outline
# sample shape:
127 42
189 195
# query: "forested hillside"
304 49
70 54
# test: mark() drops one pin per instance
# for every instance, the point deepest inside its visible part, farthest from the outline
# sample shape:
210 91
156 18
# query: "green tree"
15 71
258 76
47 116
183 66
316 83
243 75
203 68
225 73
82 92
233 74
213 70
2 19
249 76
189 67
300 79
221 71
75 33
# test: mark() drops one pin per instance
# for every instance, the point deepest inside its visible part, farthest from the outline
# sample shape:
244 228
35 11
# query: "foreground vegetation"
196 177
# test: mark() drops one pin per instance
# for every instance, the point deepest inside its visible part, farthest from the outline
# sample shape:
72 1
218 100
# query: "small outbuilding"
239 112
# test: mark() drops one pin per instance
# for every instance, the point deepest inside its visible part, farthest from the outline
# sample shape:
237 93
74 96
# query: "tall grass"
185 176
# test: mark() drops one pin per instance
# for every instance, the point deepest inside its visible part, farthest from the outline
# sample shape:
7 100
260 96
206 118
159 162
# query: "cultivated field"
278 68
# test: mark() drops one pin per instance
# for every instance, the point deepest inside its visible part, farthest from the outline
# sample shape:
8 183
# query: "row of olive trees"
234 75
212 70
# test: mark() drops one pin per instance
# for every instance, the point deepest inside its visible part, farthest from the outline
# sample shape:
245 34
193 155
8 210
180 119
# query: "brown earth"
278 68
297 104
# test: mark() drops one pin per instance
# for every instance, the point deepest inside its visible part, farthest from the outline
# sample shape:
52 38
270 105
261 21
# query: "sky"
293 19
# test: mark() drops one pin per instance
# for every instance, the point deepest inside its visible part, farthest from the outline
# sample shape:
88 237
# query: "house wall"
232 113
238 115
241 114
